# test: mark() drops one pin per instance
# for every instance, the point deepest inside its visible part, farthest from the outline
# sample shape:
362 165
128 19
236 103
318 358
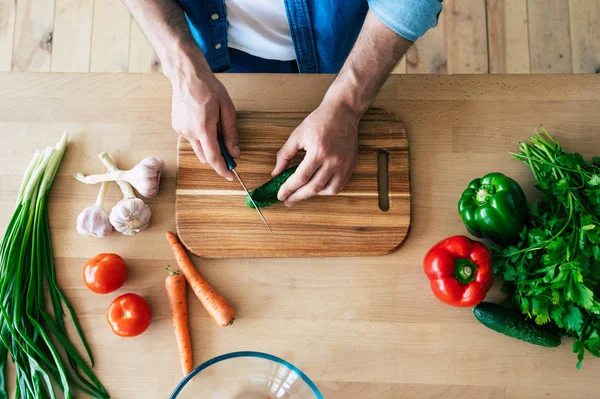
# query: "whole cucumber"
514 324
266 194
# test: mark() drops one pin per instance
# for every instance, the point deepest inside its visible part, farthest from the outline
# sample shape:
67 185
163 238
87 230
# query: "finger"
285 155
229 129
198 150
213 152
312 188
301 176
336 184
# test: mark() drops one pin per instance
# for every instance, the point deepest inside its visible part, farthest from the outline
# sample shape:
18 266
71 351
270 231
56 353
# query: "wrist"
182 60
346 94
344 99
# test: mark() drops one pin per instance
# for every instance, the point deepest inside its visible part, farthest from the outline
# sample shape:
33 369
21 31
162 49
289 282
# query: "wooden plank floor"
473 36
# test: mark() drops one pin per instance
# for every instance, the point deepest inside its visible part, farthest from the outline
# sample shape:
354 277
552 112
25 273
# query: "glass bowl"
246 375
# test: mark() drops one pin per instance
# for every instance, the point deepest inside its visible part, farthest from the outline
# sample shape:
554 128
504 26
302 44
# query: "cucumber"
513 324
266 194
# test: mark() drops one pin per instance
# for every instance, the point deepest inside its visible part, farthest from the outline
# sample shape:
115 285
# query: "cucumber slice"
513 324
266 194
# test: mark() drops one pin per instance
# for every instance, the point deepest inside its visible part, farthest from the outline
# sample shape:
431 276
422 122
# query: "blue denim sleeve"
408 18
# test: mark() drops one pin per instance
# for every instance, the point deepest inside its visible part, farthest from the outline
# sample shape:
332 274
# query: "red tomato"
129 315
105 273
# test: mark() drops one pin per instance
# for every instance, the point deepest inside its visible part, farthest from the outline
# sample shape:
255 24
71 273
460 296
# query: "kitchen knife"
231 165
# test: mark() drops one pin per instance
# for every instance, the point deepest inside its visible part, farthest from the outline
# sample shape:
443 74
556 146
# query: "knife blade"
231 165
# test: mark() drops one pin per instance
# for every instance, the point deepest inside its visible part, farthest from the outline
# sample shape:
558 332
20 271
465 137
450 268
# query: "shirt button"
215 16
218 46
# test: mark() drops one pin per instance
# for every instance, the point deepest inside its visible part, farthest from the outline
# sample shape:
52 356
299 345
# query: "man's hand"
329 135
200 103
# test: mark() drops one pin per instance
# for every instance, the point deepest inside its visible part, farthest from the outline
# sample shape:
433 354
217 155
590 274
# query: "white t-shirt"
260 28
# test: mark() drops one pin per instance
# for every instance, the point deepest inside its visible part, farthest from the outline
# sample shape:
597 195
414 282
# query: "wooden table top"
359 327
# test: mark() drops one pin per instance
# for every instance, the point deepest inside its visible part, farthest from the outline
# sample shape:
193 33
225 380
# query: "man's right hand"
200 103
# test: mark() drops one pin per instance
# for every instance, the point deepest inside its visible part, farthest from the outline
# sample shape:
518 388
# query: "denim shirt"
323 31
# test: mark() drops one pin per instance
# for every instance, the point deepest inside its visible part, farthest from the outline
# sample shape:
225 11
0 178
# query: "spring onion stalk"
32 305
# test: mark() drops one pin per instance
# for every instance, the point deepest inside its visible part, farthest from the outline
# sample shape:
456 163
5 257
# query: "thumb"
285 155
229 129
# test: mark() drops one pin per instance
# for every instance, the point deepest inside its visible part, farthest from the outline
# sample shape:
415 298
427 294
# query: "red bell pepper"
459 270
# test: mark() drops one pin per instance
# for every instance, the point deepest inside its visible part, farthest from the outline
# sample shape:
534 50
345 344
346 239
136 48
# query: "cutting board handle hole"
383 180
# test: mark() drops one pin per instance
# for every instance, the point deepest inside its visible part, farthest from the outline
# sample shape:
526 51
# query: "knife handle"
226 156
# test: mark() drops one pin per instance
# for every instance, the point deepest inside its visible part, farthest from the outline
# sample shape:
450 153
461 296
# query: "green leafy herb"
553 273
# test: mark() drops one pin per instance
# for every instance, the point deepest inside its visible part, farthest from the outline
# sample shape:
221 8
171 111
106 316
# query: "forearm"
165 25
376 52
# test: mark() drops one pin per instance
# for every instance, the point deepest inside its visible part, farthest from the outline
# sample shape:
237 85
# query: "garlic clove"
130 216
94 221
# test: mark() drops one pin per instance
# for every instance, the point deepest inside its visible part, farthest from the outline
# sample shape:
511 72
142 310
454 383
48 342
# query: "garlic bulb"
93 221
130 215
144 177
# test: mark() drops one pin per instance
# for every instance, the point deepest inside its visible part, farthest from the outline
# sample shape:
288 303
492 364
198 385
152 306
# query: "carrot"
176 292
217 306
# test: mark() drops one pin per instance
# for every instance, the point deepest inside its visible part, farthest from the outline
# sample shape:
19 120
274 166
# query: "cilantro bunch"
553 273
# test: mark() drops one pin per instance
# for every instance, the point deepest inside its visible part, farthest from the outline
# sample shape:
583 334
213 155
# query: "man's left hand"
329 135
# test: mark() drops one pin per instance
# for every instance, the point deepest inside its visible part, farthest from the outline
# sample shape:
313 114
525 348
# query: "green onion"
32 305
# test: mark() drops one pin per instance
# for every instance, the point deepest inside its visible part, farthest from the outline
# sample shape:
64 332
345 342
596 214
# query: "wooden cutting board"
214 222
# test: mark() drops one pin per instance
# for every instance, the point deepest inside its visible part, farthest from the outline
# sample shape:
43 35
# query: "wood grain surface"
213 220
465 23
32 48
359 327
71 37
508 38
8 9
110 37
585 35
550 26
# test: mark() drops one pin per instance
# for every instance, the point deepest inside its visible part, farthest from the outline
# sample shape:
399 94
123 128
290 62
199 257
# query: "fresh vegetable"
129 315
144 177
217 306
176 292
266 194
494 207
94 221
553 273
130 215
513 324
32 305
459 270
105 273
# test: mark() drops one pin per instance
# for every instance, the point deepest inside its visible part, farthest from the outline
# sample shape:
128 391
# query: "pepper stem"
464 270
483 195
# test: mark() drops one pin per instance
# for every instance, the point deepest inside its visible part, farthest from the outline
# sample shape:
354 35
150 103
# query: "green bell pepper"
494 207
